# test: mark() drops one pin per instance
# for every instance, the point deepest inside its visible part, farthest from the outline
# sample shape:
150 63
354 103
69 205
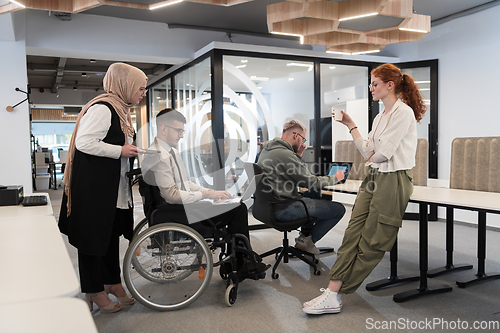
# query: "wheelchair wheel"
231 295
168 266
140 227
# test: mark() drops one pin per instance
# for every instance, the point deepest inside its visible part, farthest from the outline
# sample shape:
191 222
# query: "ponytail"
405 88
409 93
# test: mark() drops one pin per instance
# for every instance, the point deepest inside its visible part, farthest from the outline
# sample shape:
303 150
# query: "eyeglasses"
180 131
372 86
143 91
303 139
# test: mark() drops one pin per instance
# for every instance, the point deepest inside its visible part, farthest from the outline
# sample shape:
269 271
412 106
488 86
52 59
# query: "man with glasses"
175 187
281 161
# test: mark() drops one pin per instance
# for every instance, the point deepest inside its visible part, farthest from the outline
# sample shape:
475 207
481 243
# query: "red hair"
405 87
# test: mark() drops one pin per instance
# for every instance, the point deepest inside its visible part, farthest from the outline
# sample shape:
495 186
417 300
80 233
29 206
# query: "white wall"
15 165
467 49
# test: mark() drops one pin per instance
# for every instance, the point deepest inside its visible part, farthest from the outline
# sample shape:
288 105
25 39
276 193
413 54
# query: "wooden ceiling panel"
355 25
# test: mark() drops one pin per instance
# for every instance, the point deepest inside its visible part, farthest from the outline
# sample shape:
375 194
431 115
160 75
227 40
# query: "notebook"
336 166
252 185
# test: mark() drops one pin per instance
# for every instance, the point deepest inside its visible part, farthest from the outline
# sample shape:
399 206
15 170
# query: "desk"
482 202
8 212
34 260
55 315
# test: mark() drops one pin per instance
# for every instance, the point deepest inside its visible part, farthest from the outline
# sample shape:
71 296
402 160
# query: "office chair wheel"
167 266
316 272
140 227
275 275
231 295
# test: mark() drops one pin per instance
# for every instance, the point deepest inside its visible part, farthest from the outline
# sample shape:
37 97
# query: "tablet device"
148 151
336 166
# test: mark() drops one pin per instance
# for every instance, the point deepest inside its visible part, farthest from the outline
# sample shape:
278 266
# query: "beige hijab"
121 83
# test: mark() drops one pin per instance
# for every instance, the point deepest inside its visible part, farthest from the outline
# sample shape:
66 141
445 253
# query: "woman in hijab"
97 201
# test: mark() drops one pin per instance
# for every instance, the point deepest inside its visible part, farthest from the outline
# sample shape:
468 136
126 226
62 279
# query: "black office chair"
264 207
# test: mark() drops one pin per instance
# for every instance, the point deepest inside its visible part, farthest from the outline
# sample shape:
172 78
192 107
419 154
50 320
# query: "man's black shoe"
255 273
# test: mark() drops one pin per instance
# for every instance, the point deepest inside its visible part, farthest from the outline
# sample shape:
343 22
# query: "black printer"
11 195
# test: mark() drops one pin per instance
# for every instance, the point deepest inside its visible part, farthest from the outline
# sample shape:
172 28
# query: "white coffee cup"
338 115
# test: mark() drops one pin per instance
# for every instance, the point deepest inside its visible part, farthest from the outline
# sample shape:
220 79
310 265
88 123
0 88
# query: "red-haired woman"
384 193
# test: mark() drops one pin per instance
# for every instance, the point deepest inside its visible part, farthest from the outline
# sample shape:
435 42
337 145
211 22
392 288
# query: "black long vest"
94 192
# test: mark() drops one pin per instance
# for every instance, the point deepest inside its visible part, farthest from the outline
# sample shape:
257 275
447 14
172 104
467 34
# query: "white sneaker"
328 302
306 304
306 244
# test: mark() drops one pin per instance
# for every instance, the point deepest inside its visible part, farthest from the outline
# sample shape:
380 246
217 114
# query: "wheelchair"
169 264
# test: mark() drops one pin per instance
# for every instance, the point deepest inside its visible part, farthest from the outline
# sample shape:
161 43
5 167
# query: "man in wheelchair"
166 170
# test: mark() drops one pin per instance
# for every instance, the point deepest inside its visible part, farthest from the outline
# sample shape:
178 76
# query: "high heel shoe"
123 300
110 308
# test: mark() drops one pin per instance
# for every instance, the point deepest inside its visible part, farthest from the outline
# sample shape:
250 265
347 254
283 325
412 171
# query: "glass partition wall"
160 98
192 91
342 88
234 101
260 95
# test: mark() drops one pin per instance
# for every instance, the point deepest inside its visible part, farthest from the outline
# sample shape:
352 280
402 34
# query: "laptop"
336 166
250 190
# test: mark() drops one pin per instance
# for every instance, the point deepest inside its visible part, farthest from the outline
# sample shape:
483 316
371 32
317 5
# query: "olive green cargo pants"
375 221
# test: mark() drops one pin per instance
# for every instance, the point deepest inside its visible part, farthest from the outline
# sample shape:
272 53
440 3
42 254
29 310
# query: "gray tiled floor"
275 305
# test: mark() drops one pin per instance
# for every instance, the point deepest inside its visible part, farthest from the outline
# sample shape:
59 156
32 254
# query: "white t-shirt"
394 135
93 128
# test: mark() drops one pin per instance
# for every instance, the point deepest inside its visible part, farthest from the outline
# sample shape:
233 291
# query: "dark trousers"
235 220
96 271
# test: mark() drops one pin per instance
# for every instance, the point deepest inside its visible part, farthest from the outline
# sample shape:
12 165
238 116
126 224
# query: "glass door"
425 74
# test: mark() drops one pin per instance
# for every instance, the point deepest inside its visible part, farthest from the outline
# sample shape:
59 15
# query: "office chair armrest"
133 173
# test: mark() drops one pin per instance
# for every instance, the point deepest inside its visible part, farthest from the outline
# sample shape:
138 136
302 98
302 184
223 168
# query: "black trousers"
96 271
235 219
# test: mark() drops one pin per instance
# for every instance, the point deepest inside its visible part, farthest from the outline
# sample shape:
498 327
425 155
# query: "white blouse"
394 135
93 128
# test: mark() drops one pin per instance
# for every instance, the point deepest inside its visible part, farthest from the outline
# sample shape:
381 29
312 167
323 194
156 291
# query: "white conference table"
441 196
53 315
7 212
34 260
482 202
